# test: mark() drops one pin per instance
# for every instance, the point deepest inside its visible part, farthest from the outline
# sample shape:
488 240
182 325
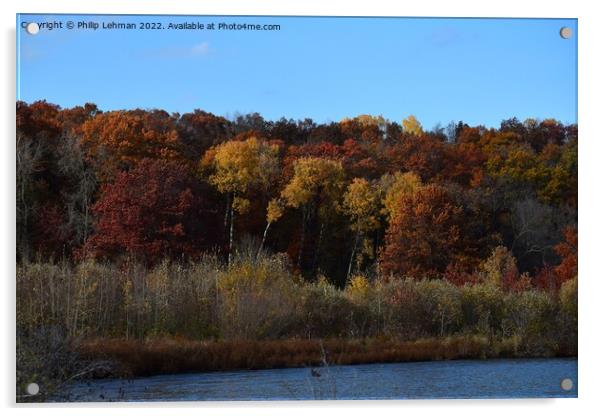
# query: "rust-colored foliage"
39 120
199 130
457 274
52 233
362 159
551 278
365 128
479 184
159 356
546 279
424 236
463 164
73 119
320 150
152 211
567 250
422 155
118 139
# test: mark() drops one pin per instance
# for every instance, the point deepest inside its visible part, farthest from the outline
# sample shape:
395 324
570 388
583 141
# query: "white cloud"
177 52
200 49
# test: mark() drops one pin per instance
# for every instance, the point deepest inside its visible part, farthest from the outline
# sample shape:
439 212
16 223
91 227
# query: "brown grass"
174 355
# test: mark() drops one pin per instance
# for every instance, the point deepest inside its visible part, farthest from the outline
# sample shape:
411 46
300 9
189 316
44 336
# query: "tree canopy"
369 195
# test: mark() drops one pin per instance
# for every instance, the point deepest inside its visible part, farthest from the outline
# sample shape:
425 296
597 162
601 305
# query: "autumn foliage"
567 250
364 195
119 139
424 235
196 242
153 211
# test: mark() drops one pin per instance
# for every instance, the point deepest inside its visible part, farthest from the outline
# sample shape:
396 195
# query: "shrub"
568 315
568 297
482 308
326 312
358 288
257 301
442 301
258 298
364 303
531 315
500 268
403 313
81 298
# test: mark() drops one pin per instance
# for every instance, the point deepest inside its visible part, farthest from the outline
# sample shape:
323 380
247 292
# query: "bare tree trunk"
86 222
302 242
317 250
24 228
231 234
375 246
22 206
228 203
265 235
357 237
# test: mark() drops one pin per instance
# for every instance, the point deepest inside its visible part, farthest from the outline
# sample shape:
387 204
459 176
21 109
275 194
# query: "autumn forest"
142 225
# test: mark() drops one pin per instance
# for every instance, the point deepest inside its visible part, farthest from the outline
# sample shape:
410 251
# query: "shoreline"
160 356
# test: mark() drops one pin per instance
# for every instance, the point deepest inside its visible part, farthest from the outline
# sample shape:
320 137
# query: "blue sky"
480 71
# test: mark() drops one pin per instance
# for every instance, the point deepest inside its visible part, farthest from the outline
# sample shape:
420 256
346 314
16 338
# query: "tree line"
362 196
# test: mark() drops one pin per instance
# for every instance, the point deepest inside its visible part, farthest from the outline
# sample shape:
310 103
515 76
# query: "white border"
590 147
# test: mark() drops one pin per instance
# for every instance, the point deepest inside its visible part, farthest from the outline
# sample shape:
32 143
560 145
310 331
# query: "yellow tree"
316 185
274 212
238 167
394 186
411 125
361 203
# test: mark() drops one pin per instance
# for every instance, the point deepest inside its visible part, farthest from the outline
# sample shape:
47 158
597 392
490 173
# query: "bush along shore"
95 319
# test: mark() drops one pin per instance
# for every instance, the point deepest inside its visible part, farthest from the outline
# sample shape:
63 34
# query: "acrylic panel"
295 208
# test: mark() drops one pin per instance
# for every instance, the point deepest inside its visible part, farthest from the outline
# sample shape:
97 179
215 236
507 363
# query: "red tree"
152 211
463 164
422 155
424 236
567 250
551 278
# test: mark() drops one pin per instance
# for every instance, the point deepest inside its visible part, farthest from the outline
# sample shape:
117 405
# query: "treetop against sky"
480 71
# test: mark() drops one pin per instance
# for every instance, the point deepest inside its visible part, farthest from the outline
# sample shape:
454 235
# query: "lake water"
532 378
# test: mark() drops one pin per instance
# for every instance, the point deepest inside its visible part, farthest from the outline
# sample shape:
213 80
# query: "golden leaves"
275 210
240 165
313 176
361 203
411 125
397 186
